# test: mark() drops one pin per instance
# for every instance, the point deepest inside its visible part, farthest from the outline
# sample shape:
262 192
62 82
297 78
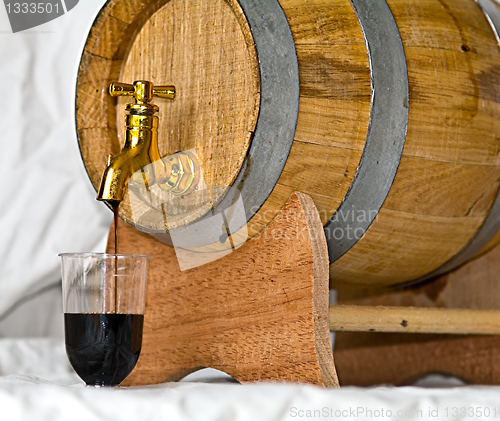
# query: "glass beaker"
103 303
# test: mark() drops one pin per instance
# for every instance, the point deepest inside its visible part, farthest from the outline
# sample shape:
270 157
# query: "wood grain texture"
203 48
350 318
199 47
334 109
407 247
261 313
473 286
449 175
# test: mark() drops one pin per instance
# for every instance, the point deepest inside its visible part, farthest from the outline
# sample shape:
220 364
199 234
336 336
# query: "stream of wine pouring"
115 214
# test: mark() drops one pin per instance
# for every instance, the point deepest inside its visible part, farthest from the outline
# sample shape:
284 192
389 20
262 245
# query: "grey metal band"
492 14
386 129
492 222
275 128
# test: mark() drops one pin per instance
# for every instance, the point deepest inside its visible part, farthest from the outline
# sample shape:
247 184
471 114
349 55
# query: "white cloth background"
47 204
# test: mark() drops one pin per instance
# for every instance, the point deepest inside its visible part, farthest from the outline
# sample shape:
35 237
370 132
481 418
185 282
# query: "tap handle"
121 89
142 90
164 91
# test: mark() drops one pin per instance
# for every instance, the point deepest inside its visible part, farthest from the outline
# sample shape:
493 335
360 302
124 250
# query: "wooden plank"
350 318
473 188
334 108
324 22
400 247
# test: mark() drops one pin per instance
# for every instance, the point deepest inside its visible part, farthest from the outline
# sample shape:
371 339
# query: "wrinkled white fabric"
47 205
39 357
31 398
37 383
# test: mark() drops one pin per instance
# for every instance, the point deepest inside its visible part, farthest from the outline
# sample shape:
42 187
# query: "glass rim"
106 255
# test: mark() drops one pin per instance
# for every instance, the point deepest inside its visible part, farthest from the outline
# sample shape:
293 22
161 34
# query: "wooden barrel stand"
260 313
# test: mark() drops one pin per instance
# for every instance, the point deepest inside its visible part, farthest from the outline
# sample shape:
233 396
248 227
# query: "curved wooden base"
260 313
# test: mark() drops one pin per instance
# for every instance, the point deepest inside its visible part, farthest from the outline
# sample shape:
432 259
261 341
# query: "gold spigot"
177 173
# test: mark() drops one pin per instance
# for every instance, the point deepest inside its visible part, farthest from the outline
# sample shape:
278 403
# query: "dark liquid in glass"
103 348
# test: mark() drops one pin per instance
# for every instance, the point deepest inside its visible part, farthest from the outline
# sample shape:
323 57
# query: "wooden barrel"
385 112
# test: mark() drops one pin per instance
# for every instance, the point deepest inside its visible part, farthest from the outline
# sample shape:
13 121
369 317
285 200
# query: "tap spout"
139 154
140 148
140 158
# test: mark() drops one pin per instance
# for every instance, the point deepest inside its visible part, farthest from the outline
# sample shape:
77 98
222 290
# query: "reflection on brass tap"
182 171
178 173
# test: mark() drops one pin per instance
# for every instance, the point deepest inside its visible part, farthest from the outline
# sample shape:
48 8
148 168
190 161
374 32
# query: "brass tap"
177 173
